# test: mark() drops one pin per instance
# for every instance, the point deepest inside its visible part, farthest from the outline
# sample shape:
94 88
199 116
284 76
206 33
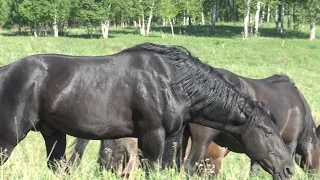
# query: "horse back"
279 94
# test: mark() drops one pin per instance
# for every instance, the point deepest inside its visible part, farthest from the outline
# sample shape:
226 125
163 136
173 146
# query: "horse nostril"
288 171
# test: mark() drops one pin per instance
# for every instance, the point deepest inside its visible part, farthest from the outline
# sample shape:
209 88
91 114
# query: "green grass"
260 57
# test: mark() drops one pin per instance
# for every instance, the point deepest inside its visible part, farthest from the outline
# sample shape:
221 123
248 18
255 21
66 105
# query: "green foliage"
35 11
4 12
168 9
44 11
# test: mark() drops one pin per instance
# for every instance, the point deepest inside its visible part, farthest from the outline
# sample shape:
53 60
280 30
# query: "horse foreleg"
55 146
152 145
173 150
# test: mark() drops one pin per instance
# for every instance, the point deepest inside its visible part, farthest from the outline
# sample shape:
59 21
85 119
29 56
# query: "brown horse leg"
200 138
214 156
131 145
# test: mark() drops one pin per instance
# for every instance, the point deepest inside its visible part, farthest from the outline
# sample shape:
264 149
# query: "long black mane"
205 88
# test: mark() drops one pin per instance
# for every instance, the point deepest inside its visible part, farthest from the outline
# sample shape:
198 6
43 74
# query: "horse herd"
152 97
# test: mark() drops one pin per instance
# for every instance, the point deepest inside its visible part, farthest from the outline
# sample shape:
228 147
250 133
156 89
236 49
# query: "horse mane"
203 85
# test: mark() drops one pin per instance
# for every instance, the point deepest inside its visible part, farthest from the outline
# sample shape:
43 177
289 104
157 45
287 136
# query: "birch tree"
246 20
313 14
168 11
60 10
212 6
257 16
146 7
150 17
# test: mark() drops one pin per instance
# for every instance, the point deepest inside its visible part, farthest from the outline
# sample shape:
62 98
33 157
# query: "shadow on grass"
79 33
221 31
228 31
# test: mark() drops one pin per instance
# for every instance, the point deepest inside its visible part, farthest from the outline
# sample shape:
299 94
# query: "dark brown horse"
292 117
148 91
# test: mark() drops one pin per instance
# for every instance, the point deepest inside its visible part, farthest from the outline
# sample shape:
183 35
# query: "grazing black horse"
292 117
148 91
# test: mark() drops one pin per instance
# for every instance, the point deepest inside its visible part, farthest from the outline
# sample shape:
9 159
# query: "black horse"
148 91
292 117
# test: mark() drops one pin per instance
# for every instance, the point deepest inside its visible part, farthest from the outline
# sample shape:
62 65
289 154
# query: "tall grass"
260 57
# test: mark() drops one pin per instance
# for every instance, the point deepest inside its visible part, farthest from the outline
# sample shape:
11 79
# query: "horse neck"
222 102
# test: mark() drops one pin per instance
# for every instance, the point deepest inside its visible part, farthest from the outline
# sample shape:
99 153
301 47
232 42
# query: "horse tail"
78 145
279 78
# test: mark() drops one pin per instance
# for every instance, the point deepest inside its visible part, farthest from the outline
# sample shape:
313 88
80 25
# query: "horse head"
264 144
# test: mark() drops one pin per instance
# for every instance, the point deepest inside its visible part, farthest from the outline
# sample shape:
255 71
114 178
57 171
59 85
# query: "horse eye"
268 131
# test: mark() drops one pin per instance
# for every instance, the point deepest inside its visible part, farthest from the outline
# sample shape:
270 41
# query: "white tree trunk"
164 23
172 30
142 28
55 26
105 29
251 24
184 18
246 21
202 18
135 23
256 25
312 29
277 19
150 18
268 16
282 16
35 33
214 16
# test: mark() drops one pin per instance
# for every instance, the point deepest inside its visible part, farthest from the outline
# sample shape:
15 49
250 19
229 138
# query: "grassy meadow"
292 54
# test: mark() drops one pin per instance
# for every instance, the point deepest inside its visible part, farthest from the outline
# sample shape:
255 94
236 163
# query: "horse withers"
148 91
292 117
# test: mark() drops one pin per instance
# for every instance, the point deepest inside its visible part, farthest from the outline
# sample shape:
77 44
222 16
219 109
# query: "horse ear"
318 131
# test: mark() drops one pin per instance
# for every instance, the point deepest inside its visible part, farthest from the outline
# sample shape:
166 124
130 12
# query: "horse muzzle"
285 173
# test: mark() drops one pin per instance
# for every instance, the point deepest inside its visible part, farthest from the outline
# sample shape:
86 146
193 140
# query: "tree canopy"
39 14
